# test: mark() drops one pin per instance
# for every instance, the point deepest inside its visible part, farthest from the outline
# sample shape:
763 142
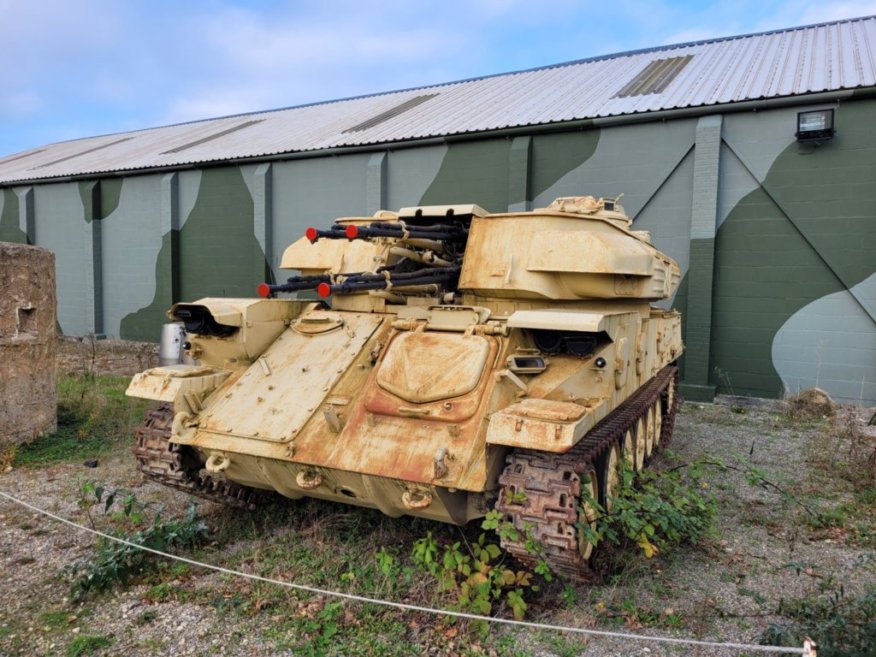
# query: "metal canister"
170 350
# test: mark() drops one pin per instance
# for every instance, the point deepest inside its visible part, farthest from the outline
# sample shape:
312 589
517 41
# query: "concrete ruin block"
28 343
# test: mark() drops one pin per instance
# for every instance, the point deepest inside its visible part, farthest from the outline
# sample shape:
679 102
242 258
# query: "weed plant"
111 562
476 573
845 626
844 457
94 415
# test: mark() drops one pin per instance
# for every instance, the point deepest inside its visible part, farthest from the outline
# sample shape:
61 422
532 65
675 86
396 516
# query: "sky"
73 69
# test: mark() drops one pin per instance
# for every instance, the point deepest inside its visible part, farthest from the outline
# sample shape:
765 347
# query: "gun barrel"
362 282
296 283
293 284
438 232
334 233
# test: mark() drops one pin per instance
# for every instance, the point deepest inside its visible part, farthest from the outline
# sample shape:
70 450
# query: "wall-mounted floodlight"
815 125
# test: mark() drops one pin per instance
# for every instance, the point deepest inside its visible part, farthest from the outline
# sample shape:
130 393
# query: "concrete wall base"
694 392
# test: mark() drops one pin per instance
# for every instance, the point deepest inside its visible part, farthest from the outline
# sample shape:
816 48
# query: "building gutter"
823 98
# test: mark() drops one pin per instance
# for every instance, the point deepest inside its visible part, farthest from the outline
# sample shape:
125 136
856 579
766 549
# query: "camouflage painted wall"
795 285
17 215
10 231
132 240
307 192
63 229
775 238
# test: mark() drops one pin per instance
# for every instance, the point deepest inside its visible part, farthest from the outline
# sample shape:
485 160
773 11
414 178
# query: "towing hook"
217 463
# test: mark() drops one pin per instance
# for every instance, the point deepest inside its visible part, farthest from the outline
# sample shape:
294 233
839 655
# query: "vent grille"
390 113
217 135
655 77
81 153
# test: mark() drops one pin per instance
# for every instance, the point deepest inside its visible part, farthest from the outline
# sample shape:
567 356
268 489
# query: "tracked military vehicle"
447 361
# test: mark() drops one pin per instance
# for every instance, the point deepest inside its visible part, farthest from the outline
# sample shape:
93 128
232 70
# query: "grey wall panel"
259 180
189 186
11 229
314 192
62 228
830 343
26 216
218 250
410 172
758 138
735 182
255 177
132 238
668 215
632 160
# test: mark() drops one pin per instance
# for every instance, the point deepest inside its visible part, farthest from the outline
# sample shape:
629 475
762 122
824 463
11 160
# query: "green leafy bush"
656 510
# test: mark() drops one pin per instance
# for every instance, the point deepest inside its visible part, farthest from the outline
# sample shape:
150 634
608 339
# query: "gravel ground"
726 590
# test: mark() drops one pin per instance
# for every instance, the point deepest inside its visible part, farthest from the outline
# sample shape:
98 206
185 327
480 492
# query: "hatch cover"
426 367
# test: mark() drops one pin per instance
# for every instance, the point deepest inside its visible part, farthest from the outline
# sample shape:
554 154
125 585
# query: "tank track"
177 466
548 509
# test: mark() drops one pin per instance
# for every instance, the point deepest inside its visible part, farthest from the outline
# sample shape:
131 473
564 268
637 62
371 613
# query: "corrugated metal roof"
828 57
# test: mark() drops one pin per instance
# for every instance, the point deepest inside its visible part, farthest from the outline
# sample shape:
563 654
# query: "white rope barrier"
806 651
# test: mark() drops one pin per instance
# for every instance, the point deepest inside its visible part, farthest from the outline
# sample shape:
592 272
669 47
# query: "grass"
94 416
844 625
842 458
87 644
55 619
362 551
328 628
841 488
325 545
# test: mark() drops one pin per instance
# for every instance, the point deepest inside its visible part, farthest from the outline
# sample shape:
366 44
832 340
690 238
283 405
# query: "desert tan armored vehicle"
451 360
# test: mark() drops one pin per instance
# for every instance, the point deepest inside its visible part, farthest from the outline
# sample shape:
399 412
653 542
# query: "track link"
178 466
541 491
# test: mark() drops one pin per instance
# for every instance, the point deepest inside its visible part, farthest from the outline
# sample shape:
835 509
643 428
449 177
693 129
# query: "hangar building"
751 159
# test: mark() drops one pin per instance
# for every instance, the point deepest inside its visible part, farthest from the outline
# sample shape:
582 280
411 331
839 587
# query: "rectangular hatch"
283 388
